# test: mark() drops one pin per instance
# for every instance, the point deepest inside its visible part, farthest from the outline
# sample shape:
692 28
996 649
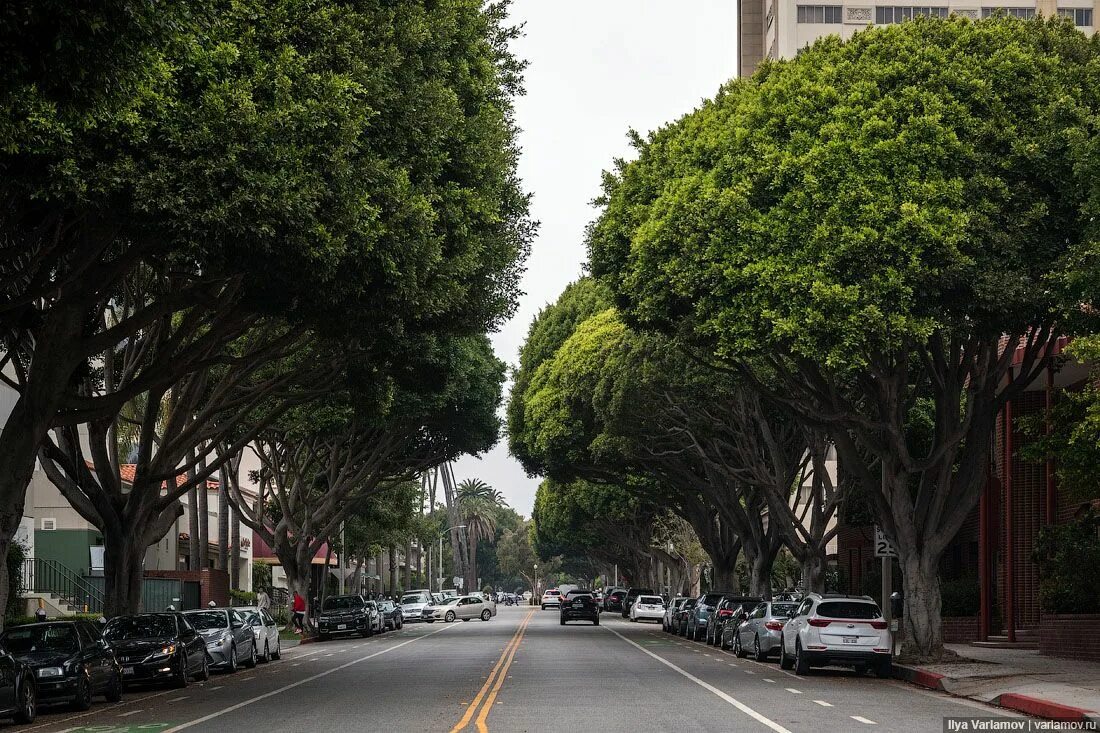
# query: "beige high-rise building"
780 28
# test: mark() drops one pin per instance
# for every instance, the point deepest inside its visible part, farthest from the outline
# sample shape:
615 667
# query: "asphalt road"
521 671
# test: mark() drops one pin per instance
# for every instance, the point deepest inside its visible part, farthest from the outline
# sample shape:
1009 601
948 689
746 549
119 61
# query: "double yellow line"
488 692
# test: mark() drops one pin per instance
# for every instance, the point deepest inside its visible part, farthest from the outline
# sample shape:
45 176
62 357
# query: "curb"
309 640
920 677
1040 708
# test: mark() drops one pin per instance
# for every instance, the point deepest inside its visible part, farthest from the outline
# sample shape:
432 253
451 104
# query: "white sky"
596 69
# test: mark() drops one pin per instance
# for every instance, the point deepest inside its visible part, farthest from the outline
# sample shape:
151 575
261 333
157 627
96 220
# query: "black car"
613 600
347 615
70 661
391 615
729 608
157 647
18 689
631 596
580 607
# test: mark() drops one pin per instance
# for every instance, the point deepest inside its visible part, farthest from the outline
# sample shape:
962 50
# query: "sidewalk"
1018 679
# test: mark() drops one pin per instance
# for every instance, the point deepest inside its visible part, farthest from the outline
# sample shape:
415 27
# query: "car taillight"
820 622
878 624
725 613
773 625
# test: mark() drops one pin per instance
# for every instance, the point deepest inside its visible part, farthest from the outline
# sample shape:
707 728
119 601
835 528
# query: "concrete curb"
1035 706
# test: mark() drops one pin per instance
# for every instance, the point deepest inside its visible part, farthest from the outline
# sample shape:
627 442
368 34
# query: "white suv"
651 608
836 629
551 597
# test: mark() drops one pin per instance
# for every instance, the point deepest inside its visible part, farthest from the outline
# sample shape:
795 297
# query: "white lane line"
292 685
706 686
749 671
767 680
794 691
824 704
860 719
217 687
132 712
177 699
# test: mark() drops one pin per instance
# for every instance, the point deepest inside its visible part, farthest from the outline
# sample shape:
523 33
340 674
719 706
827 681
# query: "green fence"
157 594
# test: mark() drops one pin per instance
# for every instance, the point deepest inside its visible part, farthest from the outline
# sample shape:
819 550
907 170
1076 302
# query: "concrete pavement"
522 671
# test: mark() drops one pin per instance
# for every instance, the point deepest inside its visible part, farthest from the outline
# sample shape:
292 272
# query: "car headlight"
44 672
324 619
166 651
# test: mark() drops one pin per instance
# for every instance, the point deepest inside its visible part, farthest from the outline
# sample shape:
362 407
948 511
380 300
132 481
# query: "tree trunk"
235 551
760 576
193 529
471 566
695 581
297 580
393 569
357 577
408 565
204 518
123 553
813 572
454 516
223 520
923 627
725 577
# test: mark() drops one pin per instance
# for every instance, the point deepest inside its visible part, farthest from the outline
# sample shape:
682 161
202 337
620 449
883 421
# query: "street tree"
903 218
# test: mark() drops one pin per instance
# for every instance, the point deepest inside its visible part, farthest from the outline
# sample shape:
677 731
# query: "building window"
1021 13
1080 16
49 524
819 13
886 14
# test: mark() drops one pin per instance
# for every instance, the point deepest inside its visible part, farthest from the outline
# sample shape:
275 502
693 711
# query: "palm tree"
480 505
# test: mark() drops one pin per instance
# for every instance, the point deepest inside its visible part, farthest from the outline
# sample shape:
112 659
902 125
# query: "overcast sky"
596 69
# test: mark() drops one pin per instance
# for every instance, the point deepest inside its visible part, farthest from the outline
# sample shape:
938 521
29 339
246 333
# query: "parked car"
759 633
647 608
836 629
705 605
229 640
413 604
552 597
466 608
580 607
349 614
157 647
69 660
728 629
265 629
392 617
680 620
631 595
438 611
670 612
18 689
725 611
613 599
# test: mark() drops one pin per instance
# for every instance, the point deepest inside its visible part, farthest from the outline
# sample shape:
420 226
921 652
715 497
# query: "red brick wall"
1070 636
213 584
960 629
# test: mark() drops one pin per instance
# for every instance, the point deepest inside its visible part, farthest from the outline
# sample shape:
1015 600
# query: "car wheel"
278 653
884 669
231 665
28 703
738 650
543 607
183 674
760 654
785 662
204 671
449 617
561 621
252 658
596 621
113 693
485 615
83 698
801 664
267 653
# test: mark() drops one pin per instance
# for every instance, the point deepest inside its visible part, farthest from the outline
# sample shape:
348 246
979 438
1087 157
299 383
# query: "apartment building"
778 29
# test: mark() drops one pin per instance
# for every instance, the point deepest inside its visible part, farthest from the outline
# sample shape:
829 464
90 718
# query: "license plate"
851 639
341 627
127 670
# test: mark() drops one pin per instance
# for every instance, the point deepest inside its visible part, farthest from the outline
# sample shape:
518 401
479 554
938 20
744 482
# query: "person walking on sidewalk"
299 612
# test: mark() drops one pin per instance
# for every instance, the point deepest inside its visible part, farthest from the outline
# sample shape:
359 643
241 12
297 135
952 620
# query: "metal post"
984 539
1010 533
1050 494
440 588
343 557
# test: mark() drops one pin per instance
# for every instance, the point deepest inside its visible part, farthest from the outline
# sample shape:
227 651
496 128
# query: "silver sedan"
760 633
229 640
265 629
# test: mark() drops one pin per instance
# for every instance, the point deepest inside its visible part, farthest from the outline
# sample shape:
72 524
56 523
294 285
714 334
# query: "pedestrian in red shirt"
299 609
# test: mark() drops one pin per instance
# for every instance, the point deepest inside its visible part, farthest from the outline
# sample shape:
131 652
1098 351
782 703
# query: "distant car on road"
613 599
413 604
229 641
438 611
759 633
157 647
552 597
580 607
836 629
728 608
466 608
670 612
392 617
265 629
631 595
69 659
647 608
705 605
350 614
680 620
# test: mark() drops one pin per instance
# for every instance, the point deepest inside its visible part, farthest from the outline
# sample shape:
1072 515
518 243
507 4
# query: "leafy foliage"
1068 557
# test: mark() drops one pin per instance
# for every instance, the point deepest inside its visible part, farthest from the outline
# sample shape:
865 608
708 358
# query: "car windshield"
140 627
29 639
342 603
783 609
415 598
205 620
253 619
689 603
711 599
848 609
650 600
449 601
553 592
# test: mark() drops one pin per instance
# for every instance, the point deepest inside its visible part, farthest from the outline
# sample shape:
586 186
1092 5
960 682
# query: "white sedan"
648 608
465 608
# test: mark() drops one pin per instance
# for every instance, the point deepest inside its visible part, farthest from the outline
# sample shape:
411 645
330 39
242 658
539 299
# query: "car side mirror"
237 625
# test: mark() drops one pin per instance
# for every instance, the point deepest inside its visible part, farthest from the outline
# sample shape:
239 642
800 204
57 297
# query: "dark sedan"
70 661
580 607
392 617
727 609
680 620
613 599
18 690
157 647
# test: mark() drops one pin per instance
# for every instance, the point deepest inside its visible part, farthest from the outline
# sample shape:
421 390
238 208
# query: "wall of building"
68 547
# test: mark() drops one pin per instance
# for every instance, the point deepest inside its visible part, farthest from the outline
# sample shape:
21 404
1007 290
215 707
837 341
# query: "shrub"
1068 557
961 597
242 597
16 554
261 576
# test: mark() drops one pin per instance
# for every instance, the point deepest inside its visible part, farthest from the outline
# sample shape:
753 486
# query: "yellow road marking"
511 647
484 714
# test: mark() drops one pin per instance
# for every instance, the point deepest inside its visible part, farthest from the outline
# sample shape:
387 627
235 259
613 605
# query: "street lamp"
457 526
535 590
